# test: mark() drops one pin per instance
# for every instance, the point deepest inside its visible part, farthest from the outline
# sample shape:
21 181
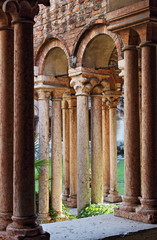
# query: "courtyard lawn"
120 176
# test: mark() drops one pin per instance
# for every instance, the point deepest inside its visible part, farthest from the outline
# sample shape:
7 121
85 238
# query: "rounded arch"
92 34
52 52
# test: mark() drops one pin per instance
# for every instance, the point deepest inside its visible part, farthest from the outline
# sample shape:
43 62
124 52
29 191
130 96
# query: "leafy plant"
97 209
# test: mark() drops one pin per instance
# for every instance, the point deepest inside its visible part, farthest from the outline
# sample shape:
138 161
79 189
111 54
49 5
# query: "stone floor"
106 227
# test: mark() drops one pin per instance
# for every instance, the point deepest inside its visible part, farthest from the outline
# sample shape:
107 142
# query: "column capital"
5 20
81 85
148 44
112 100
129 47
43 94
21 11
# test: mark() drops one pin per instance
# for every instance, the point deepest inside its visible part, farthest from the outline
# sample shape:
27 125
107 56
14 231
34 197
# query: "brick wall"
66 19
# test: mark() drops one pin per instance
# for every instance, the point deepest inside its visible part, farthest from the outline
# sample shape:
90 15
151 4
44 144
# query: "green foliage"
120 173
66 213
97 209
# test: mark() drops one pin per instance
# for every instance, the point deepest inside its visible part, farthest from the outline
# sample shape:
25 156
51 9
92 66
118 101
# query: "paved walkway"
101 227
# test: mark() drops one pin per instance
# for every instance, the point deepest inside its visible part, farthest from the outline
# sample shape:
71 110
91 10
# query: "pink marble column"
82 88
72 200
66 157
24 217
97 166
105 148
56 153
131 130
113 193
43 102
149 136
6 121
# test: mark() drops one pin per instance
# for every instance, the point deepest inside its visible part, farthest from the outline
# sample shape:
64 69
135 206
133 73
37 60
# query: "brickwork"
67 20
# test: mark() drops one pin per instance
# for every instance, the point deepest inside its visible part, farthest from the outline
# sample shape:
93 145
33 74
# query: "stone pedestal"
56 153
6 122
97 167
113 193
105 149
23 225
43 211
72 200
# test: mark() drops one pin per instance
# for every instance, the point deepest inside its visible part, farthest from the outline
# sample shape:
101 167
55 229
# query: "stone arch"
91 34
52 52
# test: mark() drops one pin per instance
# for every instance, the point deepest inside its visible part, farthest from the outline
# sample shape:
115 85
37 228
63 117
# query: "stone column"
43 100
97 166
113 193
82 88
6 121
72 200
56 152
149 136
131 130
105 148
24 217
65 117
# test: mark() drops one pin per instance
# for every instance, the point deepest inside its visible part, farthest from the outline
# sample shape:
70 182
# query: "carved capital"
21 11
81 85
112 101
43 95
5 19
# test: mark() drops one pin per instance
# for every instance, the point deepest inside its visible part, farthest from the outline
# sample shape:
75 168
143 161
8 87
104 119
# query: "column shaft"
6 126
65 112
131 129
113 196
56 156
149 119
97 167
105 149
83 196
72 201
43 100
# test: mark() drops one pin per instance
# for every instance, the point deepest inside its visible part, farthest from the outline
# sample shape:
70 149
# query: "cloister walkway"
106 227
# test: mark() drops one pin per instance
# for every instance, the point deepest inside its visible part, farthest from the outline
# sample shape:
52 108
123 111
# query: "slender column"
131 130
97 167
56 153
82 89
23 180
65 116
113 193
105 148
149 137
72 200
43 100
6 121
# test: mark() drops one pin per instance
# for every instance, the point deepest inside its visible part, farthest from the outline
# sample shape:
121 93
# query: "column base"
5 220
43 218
72 201
130 203
65 197
113 197
23 227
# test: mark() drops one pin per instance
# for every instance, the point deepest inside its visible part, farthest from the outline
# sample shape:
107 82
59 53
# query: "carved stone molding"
81 85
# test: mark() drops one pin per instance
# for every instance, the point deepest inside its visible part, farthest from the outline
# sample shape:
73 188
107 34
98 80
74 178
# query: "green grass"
120 176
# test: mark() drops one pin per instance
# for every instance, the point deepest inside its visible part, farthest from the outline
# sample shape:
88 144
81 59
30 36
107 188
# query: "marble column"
105 148
82 88
97 166
113 193
72 200
24 217
131 130
43 102
56 153
6 121
66 164
149 136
